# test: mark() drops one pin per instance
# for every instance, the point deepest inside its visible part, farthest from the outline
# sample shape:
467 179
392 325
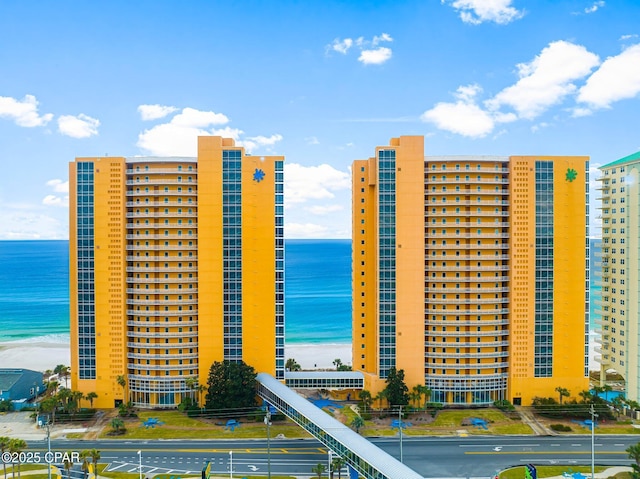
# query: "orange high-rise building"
470 273
174 263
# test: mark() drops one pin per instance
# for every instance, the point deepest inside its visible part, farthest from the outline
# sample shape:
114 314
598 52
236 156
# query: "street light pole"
139 463
49 447
230 464
330 453
267 421
400 428
593 429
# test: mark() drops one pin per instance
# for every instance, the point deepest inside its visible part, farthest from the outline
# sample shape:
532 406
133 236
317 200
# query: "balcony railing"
132 312
162 345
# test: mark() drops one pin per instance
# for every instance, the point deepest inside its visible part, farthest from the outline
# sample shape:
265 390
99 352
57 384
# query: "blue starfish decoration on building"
258 175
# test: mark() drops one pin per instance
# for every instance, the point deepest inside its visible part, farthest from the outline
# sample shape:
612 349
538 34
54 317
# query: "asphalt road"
468 457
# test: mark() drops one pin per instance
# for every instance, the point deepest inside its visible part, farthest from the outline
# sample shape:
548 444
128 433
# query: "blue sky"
322 83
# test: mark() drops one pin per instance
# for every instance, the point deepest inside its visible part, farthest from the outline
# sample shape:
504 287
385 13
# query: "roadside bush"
504 405
560 427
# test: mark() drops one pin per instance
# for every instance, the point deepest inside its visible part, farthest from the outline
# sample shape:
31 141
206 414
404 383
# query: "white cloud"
59 186
179 136
617 78
253 142
628 37
546 80
375 57
154 112
312 140
53 200
303 183
81 126
304 230
594 7
479 11
322 210
341 46
463 117
385 37
369 54
23 112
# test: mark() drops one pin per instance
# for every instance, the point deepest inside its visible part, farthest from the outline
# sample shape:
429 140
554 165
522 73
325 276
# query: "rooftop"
627 159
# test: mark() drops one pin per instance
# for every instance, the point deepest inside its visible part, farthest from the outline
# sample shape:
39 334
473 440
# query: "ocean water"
34 291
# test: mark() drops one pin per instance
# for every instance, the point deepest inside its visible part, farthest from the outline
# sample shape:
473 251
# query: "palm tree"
95 457
85 456
90 397
292 365
426 392
201 389
62 371
117 425
4 446
357 423
74 401
634 453
68 463
337 463
563 392
52 387
586 396
192 384
49 406
365 397
319 469
122 382
17 446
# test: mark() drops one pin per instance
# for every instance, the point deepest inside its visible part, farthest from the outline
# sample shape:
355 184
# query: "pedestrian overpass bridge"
368 460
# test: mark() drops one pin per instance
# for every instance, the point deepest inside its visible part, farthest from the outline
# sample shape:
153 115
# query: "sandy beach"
318 356
34 355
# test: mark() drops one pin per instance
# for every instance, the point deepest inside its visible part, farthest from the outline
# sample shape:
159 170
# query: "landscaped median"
562 472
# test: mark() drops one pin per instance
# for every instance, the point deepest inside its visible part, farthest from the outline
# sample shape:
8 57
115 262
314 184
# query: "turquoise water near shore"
34 291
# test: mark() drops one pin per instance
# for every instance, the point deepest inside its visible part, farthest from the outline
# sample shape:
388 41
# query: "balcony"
162 356
450 246
469 203
163 335
161 270
467 192
170 214
159 204
142 247
465 290
467 312
139 313
162 367
450 344
162 193
173 225
469 301
162 324
161 302
465 367
162 181
499 354
467 334
465 323
154 171
152 237
465 180
162 345
470 279
132 280
162 291
452 236
162 259
465 268
467 257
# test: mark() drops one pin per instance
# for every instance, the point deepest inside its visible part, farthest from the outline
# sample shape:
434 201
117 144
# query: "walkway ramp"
370 461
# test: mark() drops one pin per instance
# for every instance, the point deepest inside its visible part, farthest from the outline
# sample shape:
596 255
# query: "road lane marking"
471 453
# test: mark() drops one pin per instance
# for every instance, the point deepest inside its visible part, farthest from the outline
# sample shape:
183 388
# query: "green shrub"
560 427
